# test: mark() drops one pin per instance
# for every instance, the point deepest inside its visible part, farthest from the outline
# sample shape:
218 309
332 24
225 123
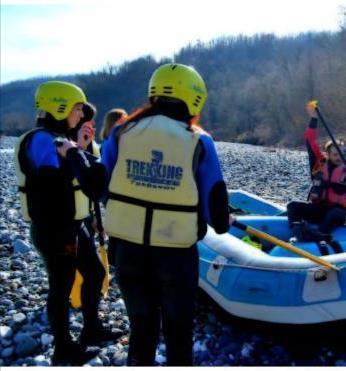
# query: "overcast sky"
63 37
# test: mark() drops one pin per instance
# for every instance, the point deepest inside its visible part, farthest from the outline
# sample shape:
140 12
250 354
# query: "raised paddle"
314 104
283 244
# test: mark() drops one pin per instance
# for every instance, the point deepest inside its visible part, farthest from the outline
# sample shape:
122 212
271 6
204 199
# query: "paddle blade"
313 104
104 260
75 296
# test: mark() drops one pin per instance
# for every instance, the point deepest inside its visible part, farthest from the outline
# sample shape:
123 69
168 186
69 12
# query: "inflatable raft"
251 204
271 284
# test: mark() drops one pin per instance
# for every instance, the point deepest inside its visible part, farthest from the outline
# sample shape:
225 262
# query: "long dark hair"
89 112
170 107
49 123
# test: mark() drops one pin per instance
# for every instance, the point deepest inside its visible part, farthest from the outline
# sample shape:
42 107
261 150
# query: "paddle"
102 249
283 244
314 104
75 296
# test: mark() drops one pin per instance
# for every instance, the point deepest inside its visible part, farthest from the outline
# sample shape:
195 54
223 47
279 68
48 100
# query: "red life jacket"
334 185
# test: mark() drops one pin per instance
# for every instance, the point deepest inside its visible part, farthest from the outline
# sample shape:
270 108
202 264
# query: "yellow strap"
104 260
76 296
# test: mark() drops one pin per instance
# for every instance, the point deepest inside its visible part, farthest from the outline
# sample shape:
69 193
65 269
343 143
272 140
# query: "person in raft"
56 179
165 186
326 204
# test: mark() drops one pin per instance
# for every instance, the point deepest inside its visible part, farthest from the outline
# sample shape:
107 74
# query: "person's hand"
64 145
86 135
311 110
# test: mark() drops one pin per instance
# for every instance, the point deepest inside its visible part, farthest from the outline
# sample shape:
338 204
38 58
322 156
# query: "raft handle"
320 275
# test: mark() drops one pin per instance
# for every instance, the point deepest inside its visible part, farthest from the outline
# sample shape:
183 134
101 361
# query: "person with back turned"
165 186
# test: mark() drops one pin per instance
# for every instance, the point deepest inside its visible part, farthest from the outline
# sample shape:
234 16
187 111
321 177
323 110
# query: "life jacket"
153 195
24 172
329 186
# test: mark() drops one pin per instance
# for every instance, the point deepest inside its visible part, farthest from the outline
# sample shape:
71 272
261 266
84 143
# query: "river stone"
46 339
21 247
26 346
7 352
5 332
95 362
4 276
19 318
40 360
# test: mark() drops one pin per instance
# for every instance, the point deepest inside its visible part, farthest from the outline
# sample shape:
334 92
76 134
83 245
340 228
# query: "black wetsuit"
159 284
65 244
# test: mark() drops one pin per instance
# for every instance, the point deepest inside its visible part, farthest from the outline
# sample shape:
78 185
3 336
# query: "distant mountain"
258 86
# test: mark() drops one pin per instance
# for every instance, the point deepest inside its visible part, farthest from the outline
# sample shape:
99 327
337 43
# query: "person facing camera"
326 204
56 180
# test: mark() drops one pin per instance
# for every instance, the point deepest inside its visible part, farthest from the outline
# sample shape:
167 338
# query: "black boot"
302 232
71 353
98 334
299 232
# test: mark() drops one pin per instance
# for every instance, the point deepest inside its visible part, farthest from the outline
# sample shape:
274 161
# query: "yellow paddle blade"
313 104
104 260
75 296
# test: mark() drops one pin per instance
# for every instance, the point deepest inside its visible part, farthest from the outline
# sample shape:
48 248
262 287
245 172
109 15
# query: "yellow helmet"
181 82
58 98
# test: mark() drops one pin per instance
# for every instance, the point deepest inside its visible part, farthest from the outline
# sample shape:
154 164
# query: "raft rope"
234 265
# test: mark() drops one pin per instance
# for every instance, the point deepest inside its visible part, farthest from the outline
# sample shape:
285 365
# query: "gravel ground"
219 338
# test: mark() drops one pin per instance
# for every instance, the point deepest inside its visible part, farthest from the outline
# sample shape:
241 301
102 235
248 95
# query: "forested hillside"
258 86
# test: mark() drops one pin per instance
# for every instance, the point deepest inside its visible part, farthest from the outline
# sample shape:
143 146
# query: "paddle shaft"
320 116
99 223
285 245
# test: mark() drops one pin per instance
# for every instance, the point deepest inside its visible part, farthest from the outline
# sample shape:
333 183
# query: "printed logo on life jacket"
154 174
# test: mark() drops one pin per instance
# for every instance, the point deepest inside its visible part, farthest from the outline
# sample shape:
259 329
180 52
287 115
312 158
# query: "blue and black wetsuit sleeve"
90 172
211 187
49 192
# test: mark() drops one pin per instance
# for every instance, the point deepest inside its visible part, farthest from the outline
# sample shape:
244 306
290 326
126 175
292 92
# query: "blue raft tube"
272 284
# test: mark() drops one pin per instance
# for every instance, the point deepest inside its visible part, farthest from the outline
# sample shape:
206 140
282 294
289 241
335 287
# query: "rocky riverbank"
219 339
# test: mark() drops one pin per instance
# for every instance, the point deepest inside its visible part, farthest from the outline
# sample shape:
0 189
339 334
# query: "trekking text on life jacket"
154 174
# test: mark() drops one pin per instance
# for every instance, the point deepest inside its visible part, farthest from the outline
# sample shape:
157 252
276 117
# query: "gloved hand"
310 108
63 145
